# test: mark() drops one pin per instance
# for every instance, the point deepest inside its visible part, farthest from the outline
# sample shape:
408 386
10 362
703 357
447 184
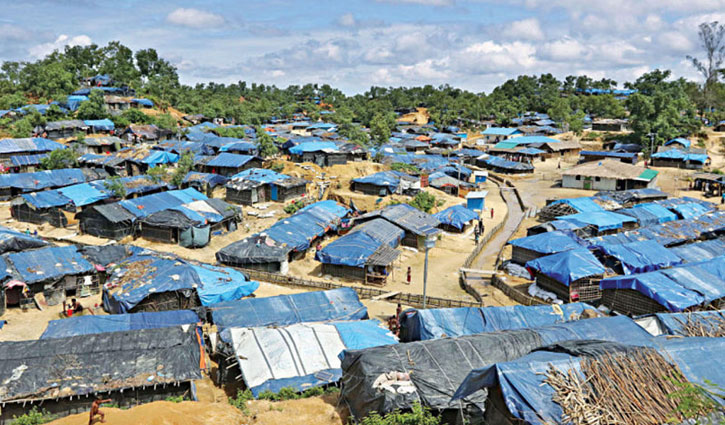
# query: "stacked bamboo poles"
713 326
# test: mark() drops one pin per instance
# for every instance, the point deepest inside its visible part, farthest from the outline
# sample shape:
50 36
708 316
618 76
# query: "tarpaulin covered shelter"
640 256
649 213
258 252
456 217
86 325
203 182
12 184
260 185
26 163
434 323
64 374
351 256
107 255
531 247
604 221
417 225
501 165
14 241
633 196
681 158
148 283
675 323
302 355
385 183
394 377
229 164
318 306
700 251
676 289
27 146
98 126
572 275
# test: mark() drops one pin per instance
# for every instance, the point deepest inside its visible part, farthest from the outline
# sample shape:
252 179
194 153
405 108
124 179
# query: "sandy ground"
166 413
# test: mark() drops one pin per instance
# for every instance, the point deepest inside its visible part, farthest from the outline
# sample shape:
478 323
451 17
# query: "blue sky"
353 44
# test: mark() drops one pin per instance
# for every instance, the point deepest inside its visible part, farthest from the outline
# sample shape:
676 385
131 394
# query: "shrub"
33 417
418 415
424 201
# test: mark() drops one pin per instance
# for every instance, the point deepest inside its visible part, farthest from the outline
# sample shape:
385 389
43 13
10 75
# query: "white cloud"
489 56
526 29
41 50
676 41
194 18
347 20
278 73
566 49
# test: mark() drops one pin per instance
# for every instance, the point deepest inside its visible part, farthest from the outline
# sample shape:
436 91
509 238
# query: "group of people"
480 228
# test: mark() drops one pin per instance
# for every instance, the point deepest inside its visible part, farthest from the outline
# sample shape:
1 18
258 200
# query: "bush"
418 415
277 167
115 186
294 206
33 417
185 164
240 401
405 168
424 201
60 158
175 399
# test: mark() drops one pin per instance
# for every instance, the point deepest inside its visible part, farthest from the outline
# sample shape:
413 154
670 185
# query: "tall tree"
712 39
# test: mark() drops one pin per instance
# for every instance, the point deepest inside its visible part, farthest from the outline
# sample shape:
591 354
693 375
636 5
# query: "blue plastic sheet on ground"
318 306
420 325
641 256
700 251
212 284
85 325
456 216
547 243
648 214
49 263
677 288
568 266
603 220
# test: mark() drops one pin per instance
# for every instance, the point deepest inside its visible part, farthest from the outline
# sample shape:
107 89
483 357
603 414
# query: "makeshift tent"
318 306
531 247
301 355
433 323
505 166
431 371
568 266
700 251
641 256
456 216
85 325
690 209
674 323
28 145
161 283
100 125
256 252
352 250
106 255
62 372
675 289
386 181
529 399
48 264
648 214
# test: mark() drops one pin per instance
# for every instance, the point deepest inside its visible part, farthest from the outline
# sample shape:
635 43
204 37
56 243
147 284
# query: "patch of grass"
176 399
240 401
418 415
33 417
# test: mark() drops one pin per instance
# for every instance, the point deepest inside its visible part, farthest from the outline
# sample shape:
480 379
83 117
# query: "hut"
257 252
498 134
27 146
124 367
679 143
12 185
572 275
719 127
145 282
625 157
649 214
64 129
101 145
608 175
476 201
532 247
456 218
100 126
88 325
385 183
262 185
25 163
204 182
637 257
668 156
418 226
320 153
501 165
610 124
603 222
229 164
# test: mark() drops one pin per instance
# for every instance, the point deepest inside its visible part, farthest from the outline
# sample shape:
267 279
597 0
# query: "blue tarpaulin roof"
231 160
388 179
530 399
674 323
689 210
83 194
144 102
157 157
352 250
307 224
240 146
547 243
681 140
581 204
317 306
42 179
677 288
382 231
30 144
498 162
260 175
46 199
157 275
568 266
409 219
641 256
425 324
86 325
649 213
20 160
149 204
100 125
682 155
603 220
457 216
49 263
609 154
312 147
699 251
498 131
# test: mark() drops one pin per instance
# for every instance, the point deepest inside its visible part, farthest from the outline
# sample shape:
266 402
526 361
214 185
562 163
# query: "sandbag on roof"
110 361
568 266
317 306
85 325
641 256
301 355
437 367
433 323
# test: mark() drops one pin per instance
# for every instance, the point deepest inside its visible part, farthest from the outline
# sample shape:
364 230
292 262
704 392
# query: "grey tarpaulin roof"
87 364
255 249
115 213
408 218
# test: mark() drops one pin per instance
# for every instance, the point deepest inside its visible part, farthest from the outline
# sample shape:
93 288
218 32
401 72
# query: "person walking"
410 274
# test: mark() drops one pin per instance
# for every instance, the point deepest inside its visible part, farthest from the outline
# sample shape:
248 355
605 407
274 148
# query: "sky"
354 44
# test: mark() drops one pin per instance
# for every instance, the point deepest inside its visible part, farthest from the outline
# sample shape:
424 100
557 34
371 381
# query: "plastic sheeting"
260 175
39 180
457 216
641 256
390 180
648 214
420 325
547 243
409 218
700 251
498 162
149 204
49 263
437 367
301 355
312 147
85 325
603 220
581 204
350 250
24 160
281 310
230 160
100 125
30 144
690 210
673 323
677 288
568 266
157 157
83 194
382 231
12 240
153 275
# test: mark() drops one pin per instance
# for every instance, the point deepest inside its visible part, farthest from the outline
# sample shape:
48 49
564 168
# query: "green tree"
185 164
265 143
115 185
60 158
94 108
379 129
